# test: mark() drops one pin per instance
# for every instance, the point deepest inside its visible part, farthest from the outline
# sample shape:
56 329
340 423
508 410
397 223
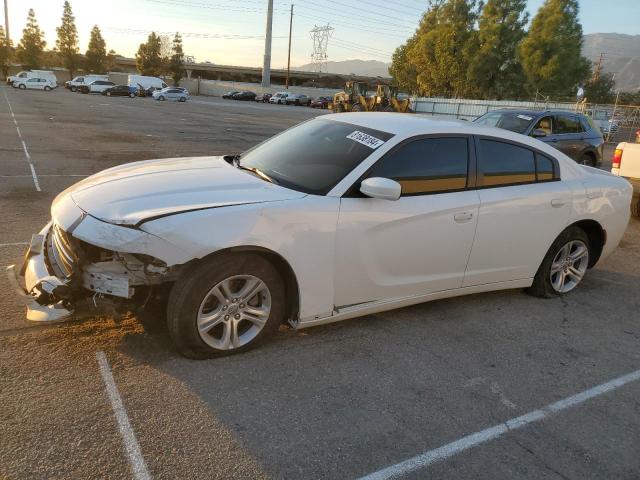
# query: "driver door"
417 244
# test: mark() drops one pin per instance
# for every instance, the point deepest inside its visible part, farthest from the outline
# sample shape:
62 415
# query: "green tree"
176 63
495 68
67 42
149 56
96 55
32 44
403 71
446 42
6 52
600 89
551 51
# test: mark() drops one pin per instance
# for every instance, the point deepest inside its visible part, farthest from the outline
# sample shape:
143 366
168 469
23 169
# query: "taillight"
617 158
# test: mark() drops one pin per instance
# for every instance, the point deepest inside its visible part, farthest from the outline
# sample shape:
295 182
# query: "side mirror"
383 188
538 133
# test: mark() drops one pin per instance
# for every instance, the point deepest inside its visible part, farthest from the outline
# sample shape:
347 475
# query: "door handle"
463 217
557 202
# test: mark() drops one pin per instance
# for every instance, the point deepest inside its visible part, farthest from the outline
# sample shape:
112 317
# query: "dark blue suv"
574 134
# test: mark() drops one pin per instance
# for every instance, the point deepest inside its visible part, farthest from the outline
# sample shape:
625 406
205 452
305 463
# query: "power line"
361 14
131 31
379 31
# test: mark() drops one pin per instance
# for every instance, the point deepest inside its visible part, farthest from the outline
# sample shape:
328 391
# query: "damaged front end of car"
79 261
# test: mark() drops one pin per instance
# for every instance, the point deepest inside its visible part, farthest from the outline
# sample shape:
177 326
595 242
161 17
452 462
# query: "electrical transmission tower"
320 37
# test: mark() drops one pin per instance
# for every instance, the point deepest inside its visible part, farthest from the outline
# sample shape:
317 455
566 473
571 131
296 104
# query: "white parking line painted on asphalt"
475 439
15 244
24 145
45 175
136 460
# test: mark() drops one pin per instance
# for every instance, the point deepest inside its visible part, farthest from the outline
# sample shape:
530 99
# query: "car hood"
133 193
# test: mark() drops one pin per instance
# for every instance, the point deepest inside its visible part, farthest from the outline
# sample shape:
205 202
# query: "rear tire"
108 94
635 206
207 314
564 266
47 88
587 160
183 99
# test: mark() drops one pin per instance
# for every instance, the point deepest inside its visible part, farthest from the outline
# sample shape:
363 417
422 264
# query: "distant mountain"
622 56
370 68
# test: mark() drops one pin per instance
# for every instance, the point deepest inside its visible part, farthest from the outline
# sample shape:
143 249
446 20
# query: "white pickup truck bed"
626 163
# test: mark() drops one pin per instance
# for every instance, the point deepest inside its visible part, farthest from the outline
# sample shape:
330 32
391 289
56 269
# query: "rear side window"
505 164
565 124
426 166
545 169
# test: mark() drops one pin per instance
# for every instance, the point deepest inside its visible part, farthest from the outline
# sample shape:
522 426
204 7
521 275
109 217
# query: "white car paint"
349 256
34 83
26 74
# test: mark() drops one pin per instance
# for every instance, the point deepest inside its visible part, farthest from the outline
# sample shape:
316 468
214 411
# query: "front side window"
505 164
314 156
545 124
566 124
427 165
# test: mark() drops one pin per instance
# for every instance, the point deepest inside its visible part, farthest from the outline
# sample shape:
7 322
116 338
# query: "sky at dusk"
232 31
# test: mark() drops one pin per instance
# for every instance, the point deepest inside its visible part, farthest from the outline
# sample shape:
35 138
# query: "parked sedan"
245 96
171 93
279 98
574 134
229 95
97 86
263 98
120 91
34 83
297 99
321 102
385 211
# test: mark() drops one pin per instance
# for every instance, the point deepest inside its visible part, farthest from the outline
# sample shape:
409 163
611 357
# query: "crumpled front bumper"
37 287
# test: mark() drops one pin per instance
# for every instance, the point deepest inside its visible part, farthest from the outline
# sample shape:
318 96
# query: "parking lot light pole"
6 20
266 67
289 54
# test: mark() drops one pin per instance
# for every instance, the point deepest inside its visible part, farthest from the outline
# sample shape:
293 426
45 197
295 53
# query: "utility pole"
6 20
266 66
289 55
598 69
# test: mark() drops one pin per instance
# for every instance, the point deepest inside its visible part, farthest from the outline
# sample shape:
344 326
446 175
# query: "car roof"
409 125
532 113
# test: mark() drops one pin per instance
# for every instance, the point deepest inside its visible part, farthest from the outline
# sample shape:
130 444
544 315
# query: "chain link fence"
619 123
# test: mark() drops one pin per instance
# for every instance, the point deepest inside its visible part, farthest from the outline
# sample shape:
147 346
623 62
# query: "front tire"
47 88
22 86
161 98
227 304
564 266
73 89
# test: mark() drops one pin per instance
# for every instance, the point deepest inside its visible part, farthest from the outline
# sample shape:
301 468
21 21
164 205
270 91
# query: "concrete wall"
215 88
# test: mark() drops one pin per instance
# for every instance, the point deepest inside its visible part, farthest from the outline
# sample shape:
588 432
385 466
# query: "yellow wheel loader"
352 99
386 100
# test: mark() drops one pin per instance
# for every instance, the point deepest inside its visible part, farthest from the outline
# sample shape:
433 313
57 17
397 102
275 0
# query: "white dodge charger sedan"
338 217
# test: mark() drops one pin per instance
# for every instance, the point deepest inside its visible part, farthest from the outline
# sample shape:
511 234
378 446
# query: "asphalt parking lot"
109 398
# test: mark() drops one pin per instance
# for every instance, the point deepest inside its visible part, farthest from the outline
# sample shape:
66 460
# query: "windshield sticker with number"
525 117
365 139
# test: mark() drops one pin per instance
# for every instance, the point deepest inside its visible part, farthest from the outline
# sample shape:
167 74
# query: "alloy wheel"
569 266
234 312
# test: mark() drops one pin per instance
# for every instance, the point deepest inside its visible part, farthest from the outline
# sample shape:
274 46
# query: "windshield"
516 122
314 156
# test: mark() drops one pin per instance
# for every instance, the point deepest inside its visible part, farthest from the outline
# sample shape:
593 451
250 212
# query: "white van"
83 80
146 83
26 74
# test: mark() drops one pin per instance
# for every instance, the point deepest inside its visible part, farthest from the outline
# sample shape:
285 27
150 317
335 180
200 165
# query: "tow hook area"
47 291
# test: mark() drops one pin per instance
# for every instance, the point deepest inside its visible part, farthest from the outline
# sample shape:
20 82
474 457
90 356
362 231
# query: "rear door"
523 207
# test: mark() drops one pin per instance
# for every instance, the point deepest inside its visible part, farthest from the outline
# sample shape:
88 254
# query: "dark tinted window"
427 165
314 156
566 124
545 168
505 164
